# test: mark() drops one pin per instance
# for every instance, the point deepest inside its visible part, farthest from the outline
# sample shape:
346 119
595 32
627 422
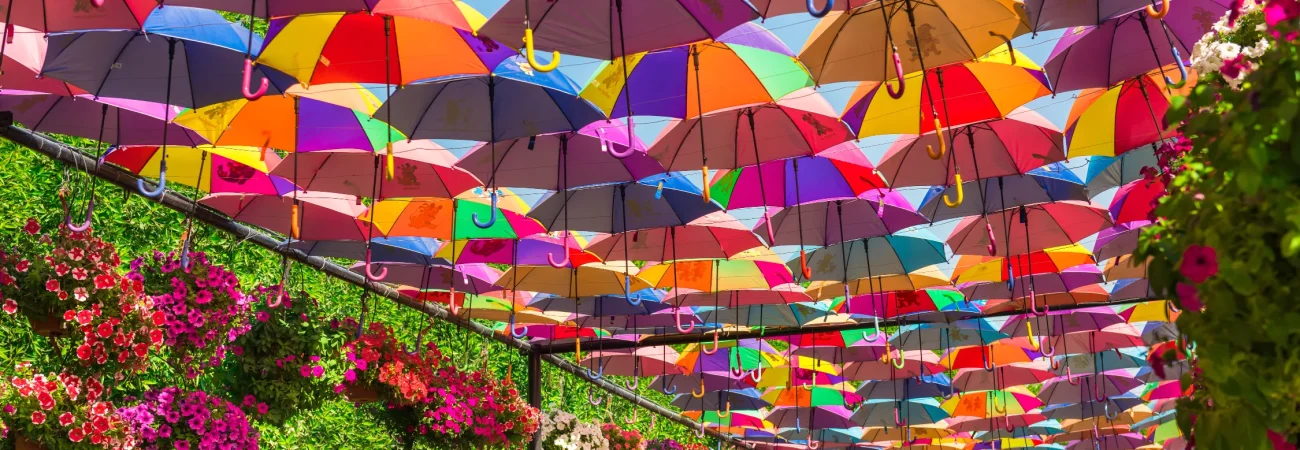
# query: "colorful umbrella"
419 168
640 362
842 172
894 413
893 254
1125 266
599 305
1109 122
446 219
874 214
468 278
990 195
1119 240
986 357
51 16
915 363
733 401
1107 172
926 277
777 295
290 123
1137 201
945 337
412 250
1089 409
1047 15
110 120
822 417
936 385
588 280
1018 231
1037 284
1011 401
978 379
718 235
713 382
736 418
210 169
321 216
22 56
754 316
980 268
716 276
585 157
1012 146
810 397
623 207
530 250
902 303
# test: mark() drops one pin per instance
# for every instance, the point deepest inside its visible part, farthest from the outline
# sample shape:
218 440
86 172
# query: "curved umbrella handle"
531 53
591 398
389 170
665 390
880 205
1182 69
1055 363
1033 304
1169 304
813 11
993 240
1029 328
248 80
727 412
550 257
803 265
767 221
598 374
994 400
705 348
634 418
737 371
898 362
961 196
910 437
677 315
83 226
1098 389
874 331
383 271
523 331
492 220
897 420
898 71
1006 40
943 144
455 310
1069 377
636 381
986 358
1107 408
756 375
1046 346
701 393
699 433
295 230
185 251
659 190
634 300
1164 10
704 178
620 154
1007 423
157 190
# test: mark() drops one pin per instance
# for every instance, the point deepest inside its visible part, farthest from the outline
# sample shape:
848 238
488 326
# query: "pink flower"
66 419
11 306
1199 263
1187 295
79 273
80 294
262 316
262 408
1232 68
38 417
32 227
76 435
23 265
1278 11
52 285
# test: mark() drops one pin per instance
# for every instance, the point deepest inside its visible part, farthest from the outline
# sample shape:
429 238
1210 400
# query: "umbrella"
902 303
841 172
738 400
1111 121
110 120
810 396
623 207
822 417
990 195
1011 401
347 47
585 156
446 219
893 254
1113 51
608 305
412 250
210 169
874 214
908 433
639 362
1137 201
849 46
198 51
530 250
1066 280
978 379
588 280
597 29
915 363
926 277
750 420
831 437
321 215
21 57
292 123
1050 225
946 336
754 316
1085 362
468 278
1119 240
1100 387
988 88
717 275
717 235
1125 266
777 295
894 413
990 427
1089 409
684 383
47 16
1012 146
987 357
1106 172
979 268
455 13
1048 15
1124 441
420 168
936 385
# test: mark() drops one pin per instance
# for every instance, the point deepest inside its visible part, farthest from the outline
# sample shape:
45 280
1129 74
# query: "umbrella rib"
107 71
389 102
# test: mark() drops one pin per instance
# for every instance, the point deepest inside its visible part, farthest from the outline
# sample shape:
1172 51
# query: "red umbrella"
715 235
311 216
1022 142
1027 229
1137 201
419 168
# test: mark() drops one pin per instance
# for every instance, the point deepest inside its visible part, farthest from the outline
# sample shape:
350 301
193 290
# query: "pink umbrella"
777 295
1074 321
1043 283
1116 337
419 169
800 124
22 60
841 172
1092 293
470 278
1118 240
714 235
640 362
53 16
587 157
1137 201
532 251
773 8
969 424
978 379
820 417
1022 142
874 213
1027 229
658 322
111 120
1064 391
915 363
680 383
321 216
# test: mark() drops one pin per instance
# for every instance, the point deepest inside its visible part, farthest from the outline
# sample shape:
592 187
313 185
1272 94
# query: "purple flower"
317 371
262 316
182 445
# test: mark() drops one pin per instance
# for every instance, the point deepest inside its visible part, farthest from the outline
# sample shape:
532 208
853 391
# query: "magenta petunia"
1200 262
1188 297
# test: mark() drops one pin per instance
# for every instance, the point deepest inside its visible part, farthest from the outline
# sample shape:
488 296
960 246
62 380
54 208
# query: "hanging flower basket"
47 326
22 443
361 394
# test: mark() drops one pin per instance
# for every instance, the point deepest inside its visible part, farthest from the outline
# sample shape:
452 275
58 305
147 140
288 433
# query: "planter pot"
47 326
361 393
22 443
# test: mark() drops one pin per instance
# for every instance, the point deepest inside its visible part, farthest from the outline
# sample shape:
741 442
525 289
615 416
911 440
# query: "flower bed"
620 439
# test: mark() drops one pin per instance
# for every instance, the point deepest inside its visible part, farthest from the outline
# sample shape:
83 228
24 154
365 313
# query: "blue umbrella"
990 195
740 400
1106 172
895 254
404 249
618 208
184 56
928 386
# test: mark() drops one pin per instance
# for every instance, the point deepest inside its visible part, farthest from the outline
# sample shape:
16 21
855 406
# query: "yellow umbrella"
718 275
1152 311
208 168
587 280
1107 122
993 269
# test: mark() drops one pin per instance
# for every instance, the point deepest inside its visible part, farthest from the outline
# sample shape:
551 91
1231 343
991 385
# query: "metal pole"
535 391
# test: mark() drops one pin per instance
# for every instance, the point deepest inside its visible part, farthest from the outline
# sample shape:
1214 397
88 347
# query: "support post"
535 392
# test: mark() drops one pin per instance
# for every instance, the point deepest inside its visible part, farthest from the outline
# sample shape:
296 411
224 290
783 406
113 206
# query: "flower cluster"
290 357
1231 43
663 444
562 431
376 361
204 309
1199 264
620 439
170 418
62 411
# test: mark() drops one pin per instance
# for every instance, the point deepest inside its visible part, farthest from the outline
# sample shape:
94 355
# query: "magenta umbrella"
915 363
841 172
1022 142
322 216
468 278
1116 337
1063 391
777 295
1137 201
1002 377
1043 283
420 169
1130 45
817 418
717 235
21 63
587 157
1018 231
1126 441
874 213
639 362
111 120
1050 15
1118 240
52 16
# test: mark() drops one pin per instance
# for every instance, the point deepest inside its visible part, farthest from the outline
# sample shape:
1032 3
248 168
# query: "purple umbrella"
1131 288
1043 283
639 362
1119 240
860 218
841 172
1129 46
1050 15
1073 321
817 418
603 305
1060 391
535 162
622 207
125 122
468 278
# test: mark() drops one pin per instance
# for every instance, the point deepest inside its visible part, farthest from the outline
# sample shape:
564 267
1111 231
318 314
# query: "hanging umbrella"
1086 363
1011 401
994 426
718 235
988 88
661 321
1127 441
936 385
990 195
605 210
291 123
873 214
1012 146
839 173
21 57
1047 15
980 268
445 219
750 420
455 13
717 275
585 155
1126 266
321 215
608 305
849 46
902 303
530 250
595 28
894 413
1119 240
812 396
1100 387
752 316
1112 121
1073 321
208 168
926 277
111 120
468 278
893 254
1023 374
198 50
412 250
777 295
352 47
1048 283
1128 46
1049 224
944 337
915 363
420 168
1136 201
987 357
1107 172
911 432
739 400
640 362
685 383
50 16
817 418
831 437
1089 409
1049 300
591 279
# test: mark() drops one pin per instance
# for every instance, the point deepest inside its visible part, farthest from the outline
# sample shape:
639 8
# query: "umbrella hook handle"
550 258
531 52
1107 409
90 211
1099 390
1046 349
803 265
938 133
522 331
383 271
600 372
704 181
699 432
875 331
665 390
961 196
699 394
1164 10
185 250
898 422
737 371
709 351
767 221
1172 308
898 71
1007 425
1069 376
727 412
248 80
898 361
621 154
591 398
910 436
295 229
1029 328
1182 68
1033 304
756 375
993 248
659 191
813 445
1006 40
162 182
636 381
634 418
492 220
632 299
813 11
986 358
678 317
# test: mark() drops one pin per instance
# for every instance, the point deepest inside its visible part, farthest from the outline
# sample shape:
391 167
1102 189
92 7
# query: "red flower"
1188 297
32 227
141 350
158 318
101 424
104 331
155 336
84 317
99 409
38 417
46 401
69 315
104 282
76 435
79 273
23 265
1199 263
63 295
77 253
84 352
52 285
66 419
11 306
62 269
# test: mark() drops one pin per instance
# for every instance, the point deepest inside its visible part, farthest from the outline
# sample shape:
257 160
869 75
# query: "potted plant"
203 306
171 418
380 369
62 411
290 358
620 439
473 410
562 431
664 444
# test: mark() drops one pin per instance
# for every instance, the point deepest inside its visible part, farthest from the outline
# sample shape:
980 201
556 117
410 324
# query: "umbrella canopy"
549 161
893 413
598 29
446 219
1044 283
1137 201
210 169
715 275
22 59
1111 121
871 257
916 363
291 123
685 383
322 216
923 278
1047 15
777 295
193 57
990 195
978 379
752 315
420 169
412 250
1063 391
1027 229
983 357
739 400
988 88
1107 172
936 385
591 279
980 268
111 120
902 303
945 337
718 235
822 417
513 101
849 46
530 250
811 396
468 278
842 172
871 215
620 208
51 16
640 362
353 47
598 305
985 404
1013 146
1119 240
1089 409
